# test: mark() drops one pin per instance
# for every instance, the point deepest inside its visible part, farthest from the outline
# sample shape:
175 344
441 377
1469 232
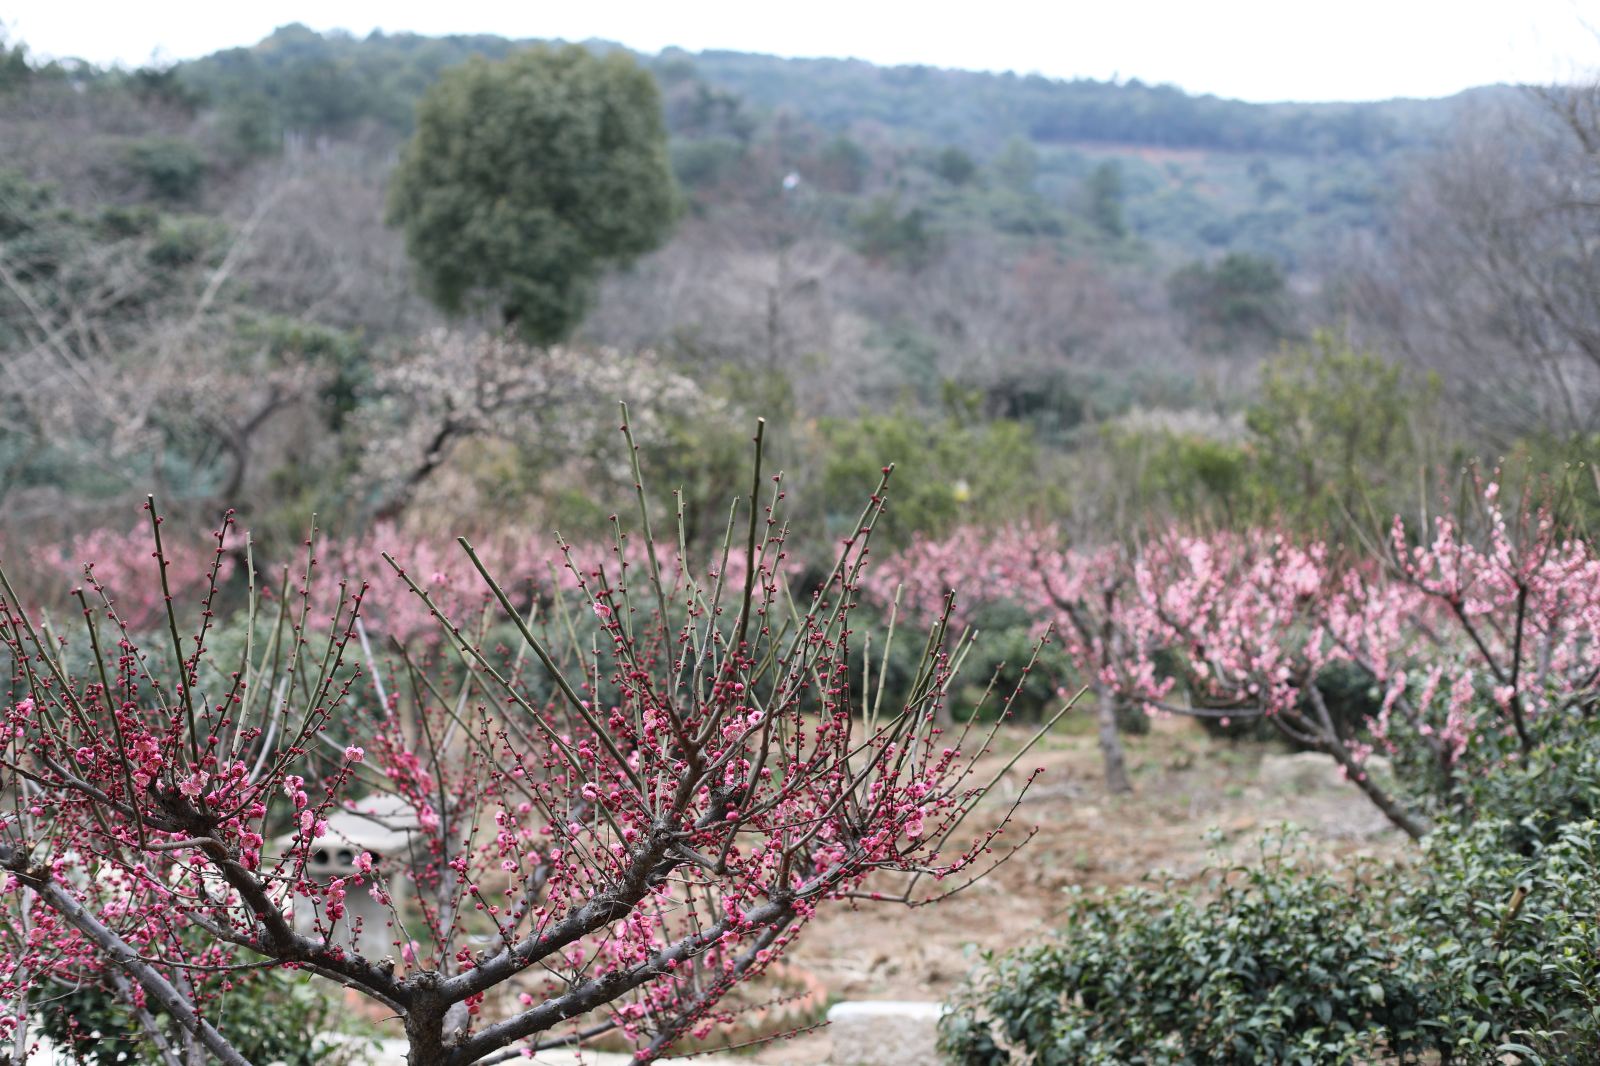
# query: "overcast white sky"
1251 49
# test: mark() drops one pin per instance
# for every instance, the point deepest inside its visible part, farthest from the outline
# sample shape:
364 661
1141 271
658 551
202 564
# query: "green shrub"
1555 784
1240 301
1007 637
165 168
1340 431
1333 435
703 164
1509 943
291 1018
955 166
1485 952
183 241
884 234
947 472
1532 794
1281 964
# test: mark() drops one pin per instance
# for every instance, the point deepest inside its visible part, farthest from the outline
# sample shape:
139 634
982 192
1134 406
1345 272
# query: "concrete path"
863 1033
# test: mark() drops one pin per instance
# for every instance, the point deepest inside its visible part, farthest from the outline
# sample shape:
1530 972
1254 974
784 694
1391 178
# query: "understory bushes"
1508 945
93 1024
1485 949
1280 965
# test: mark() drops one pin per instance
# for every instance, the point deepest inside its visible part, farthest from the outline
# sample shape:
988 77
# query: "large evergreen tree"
527 178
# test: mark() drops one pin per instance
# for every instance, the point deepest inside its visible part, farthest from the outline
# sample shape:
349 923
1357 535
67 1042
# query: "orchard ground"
1187 784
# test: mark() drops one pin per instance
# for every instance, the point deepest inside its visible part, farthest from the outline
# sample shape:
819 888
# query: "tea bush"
1485 951
1509 945
1280 964
1555 784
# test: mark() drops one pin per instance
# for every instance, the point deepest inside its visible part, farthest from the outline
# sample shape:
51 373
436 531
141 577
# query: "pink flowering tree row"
1478 633
531 566
611 820
1473 632
121 563
1080 597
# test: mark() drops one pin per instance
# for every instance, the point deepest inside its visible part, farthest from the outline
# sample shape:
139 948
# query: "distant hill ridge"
300 79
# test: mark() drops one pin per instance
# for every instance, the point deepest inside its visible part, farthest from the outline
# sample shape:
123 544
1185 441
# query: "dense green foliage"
1558 783
527 177
1275 966
290 1020
952 471
1482 951
1507 942
1339 431
1105 200
1332 436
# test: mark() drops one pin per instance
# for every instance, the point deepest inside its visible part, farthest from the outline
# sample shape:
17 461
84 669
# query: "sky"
1249 49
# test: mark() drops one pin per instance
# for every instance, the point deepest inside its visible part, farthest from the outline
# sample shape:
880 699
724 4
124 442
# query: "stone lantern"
382 827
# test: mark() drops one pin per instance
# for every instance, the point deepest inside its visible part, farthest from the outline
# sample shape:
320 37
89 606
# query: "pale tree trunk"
1116 762
20 1040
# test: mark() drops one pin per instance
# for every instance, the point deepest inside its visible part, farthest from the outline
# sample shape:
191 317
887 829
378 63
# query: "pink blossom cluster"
529 566
123 566
1479 625
1083 595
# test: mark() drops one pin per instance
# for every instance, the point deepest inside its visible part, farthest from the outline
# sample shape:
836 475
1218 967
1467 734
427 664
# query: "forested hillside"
1074 283
321 83
1199 172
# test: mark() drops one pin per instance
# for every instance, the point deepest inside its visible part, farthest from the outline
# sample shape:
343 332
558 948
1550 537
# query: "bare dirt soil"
1199 801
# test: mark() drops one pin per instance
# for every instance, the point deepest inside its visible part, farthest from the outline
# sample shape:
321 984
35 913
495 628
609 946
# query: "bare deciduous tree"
1492 270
